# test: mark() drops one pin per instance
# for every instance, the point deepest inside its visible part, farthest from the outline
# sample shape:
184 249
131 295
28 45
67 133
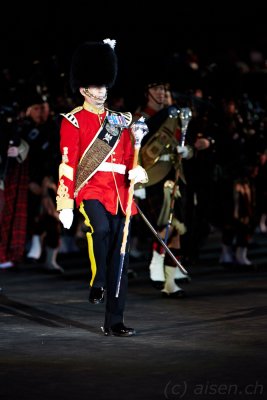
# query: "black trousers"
106 231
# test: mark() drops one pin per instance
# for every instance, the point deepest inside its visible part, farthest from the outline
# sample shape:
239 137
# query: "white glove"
66 217
140 193
138 174
182 151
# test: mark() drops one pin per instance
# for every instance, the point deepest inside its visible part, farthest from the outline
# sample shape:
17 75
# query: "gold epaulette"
76 109
70 116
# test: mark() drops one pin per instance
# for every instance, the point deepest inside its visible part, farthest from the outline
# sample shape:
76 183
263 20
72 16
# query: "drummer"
161 156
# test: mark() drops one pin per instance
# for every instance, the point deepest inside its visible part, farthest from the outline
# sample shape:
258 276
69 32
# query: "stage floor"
209 345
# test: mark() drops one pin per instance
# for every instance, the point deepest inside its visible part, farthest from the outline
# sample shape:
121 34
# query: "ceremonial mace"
185 116
139 129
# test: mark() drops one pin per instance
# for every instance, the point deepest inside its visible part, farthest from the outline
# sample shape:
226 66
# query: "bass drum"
158 171
158 155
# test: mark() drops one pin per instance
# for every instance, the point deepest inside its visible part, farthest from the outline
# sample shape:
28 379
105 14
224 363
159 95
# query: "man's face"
157 93
94 94
38 112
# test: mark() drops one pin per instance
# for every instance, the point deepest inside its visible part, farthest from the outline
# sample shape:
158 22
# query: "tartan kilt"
14 212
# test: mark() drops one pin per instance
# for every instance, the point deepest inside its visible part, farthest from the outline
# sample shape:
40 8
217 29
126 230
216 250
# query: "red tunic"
110 188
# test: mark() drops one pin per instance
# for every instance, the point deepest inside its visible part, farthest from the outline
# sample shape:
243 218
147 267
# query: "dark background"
49 32
35 28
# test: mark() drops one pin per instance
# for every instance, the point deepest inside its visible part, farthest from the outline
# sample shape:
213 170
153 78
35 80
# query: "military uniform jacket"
109 187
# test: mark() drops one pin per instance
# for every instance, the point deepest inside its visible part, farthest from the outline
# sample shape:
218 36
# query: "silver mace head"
139 130
185 116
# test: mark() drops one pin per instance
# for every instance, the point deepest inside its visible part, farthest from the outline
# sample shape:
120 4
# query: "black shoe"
175 295
131 274
96 295
119 330
159 285
54 268
186 279
30 260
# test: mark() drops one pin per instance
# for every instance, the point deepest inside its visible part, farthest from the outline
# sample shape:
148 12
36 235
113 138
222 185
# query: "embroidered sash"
104 142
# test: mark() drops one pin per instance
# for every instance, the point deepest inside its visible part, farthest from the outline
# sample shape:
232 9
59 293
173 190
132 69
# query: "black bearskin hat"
93 64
